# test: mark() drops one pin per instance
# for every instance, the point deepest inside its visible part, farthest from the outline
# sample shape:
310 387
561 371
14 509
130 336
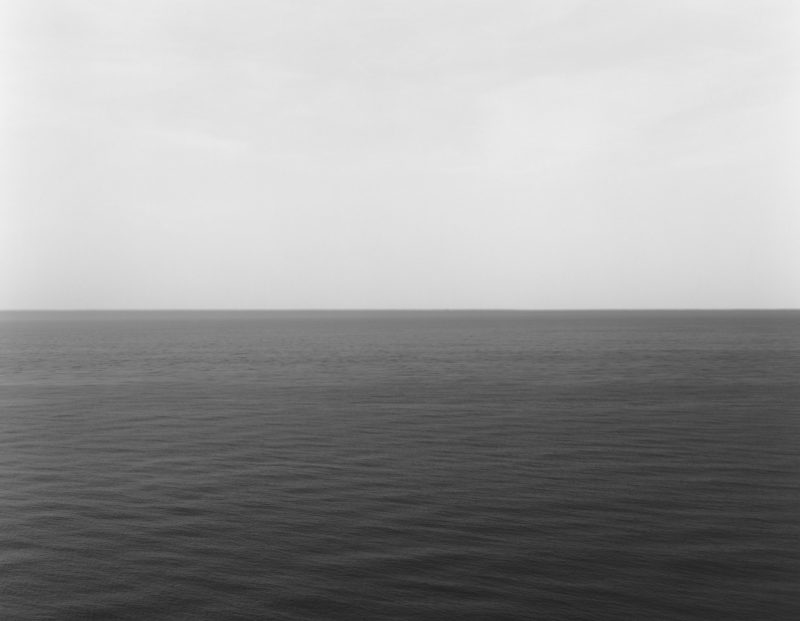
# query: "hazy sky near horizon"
400 154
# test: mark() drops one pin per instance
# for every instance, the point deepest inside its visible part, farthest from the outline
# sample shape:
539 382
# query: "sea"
471 465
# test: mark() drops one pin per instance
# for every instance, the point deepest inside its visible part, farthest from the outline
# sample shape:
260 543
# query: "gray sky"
400 154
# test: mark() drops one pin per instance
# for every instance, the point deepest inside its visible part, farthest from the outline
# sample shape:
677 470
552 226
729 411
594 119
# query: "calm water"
400 466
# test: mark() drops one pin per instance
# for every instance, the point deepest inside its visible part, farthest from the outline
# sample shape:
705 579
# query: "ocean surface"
400 465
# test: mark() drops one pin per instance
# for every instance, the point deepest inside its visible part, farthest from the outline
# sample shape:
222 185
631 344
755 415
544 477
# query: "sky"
399 154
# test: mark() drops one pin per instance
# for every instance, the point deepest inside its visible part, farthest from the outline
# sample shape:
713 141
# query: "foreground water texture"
597 465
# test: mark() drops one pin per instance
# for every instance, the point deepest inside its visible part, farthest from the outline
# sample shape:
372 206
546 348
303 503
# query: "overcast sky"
400 154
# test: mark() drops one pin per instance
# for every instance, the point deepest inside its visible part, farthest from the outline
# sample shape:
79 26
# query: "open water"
409 465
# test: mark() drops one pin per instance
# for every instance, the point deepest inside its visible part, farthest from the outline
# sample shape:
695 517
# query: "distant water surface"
417 465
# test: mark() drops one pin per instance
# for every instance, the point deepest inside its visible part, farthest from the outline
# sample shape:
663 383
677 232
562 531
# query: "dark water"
400 466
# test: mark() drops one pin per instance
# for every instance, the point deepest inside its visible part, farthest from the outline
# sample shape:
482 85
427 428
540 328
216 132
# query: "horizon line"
394 310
